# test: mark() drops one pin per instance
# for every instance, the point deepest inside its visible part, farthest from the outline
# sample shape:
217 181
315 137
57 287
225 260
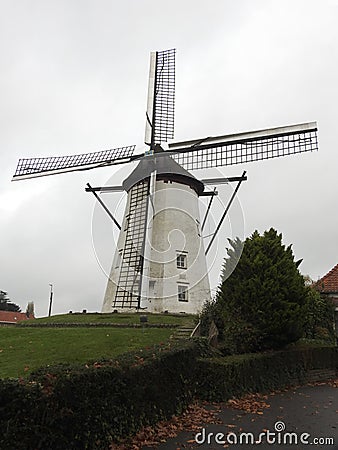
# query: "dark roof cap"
166 169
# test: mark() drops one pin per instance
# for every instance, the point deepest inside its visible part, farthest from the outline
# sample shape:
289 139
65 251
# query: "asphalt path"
297 419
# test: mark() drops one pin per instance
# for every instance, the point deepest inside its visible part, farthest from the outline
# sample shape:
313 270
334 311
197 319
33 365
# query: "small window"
126 226
182 293
118 259
151 288
181 261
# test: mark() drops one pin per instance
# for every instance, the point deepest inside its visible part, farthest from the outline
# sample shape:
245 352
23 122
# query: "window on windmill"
126 225
151 288
118 259
182 293
181 261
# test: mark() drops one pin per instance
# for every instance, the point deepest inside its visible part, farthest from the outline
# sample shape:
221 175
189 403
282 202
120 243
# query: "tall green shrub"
319 313
261 305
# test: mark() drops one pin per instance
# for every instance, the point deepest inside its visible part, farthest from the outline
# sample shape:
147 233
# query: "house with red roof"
328 285
11 317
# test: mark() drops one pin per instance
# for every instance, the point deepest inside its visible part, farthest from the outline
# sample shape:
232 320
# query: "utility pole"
50 300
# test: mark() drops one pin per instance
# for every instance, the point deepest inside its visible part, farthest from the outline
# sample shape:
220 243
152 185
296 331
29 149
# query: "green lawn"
181 320
25 349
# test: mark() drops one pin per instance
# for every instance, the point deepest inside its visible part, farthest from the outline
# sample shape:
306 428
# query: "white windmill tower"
160 262
160 259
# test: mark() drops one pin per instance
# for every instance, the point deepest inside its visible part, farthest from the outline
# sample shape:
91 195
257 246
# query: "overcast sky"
73 79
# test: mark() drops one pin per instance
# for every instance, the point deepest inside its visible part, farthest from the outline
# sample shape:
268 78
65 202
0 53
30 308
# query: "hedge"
89 406
225 377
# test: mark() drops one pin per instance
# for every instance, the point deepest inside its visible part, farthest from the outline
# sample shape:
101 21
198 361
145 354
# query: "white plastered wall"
174 229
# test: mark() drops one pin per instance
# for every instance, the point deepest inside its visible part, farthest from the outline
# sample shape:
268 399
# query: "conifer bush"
261 305
319 317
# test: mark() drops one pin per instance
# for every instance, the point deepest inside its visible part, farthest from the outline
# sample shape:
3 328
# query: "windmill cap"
166 169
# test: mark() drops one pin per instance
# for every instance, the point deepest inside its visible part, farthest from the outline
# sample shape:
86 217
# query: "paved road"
310 412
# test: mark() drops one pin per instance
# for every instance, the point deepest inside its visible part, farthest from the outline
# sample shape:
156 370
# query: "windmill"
160 259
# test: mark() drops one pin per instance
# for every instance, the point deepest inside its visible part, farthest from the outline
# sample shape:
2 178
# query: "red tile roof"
13 317
329 282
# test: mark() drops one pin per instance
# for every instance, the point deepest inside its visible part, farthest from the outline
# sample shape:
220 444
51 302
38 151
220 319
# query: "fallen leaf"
190 420
249 403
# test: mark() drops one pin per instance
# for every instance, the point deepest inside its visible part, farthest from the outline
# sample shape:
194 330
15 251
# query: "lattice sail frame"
195 154
245 147
161 98
128 290
38 167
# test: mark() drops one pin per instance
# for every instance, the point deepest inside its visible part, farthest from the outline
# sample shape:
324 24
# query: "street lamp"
50 300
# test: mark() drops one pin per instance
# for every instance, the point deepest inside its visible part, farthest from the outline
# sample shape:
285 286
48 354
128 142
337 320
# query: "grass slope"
180 320
25 349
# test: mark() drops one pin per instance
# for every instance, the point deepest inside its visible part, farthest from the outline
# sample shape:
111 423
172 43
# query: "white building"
160 262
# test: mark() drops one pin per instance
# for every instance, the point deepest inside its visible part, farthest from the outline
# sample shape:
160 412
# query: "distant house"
328 285
10 317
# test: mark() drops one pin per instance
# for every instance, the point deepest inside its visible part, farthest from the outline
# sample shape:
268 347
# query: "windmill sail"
245 147
159 128
39 167
161 98
128 290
